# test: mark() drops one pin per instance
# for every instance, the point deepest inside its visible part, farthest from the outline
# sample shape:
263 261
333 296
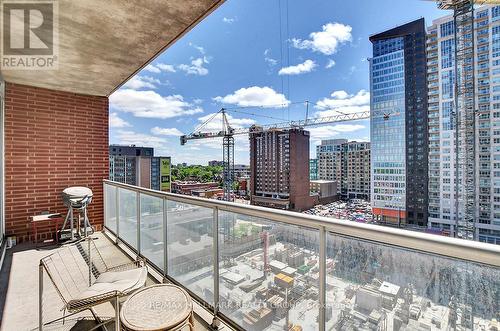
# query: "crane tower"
465 112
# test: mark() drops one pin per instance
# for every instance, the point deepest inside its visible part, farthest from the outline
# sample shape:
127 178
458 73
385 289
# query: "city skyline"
323 61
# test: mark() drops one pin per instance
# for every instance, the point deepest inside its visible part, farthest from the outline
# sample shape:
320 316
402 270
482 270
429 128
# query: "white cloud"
306 66
326 41
340 102
329 131
255 96
196 67
166 67
330 64
116 122
199 48
126 137
241 144
139 82
229 20
166 131
150 104
152 68
269 60
216 123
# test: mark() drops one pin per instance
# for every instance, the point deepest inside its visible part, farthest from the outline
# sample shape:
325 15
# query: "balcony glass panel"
375 283
369 285
110 204
128 217
152 231
190 248
288 286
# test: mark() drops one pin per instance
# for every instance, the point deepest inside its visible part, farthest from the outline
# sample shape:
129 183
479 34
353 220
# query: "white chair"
83 280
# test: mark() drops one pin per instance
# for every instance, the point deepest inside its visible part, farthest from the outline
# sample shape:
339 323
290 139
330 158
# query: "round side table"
157 308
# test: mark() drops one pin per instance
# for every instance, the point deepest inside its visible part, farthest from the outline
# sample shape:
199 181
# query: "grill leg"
117 314
71 222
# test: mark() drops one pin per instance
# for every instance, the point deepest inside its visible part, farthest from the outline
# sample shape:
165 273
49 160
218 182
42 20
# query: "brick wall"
53 140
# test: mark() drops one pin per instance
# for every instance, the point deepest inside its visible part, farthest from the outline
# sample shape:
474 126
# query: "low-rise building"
215 163
208 193
187 187
326 190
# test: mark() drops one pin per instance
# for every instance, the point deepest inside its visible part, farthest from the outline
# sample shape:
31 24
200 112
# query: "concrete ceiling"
104 43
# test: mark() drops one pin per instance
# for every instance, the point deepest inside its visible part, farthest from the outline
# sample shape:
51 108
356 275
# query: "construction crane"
228 132
465 112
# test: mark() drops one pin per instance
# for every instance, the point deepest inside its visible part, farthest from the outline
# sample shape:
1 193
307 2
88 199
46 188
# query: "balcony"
19 281
215 250
242 261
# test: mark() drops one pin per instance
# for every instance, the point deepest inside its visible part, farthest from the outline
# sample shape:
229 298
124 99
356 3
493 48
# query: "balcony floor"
19 290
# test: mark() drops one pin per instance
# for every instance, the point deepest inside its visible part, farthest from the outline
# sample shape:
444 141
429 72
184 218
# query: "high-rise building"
130 150
444 160
355 175
313 169
399 134
123 169
137 166
279 169
329 154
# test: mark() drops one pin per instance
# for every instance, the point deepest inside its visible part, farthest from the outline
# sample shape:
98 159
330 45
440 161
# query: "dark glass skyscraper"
399 135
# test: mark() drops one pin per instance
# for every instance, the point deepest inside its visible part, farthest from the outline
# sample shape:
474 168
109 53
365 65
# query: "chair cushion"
120 281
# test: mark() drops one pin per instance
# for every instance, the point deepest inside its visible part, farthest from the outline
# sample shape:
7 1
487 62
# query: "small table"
50 220
157 307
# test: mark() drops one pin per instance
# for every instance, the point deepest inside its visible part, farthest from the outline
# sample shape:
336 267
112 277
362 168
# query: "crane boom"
228 133
283 125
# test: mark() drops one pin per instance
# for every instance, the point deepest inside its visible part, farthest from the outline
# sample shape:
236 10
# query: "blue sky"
249 53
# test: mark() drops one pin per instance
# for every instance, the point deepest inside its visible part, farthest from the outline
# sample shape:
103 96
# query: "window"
447 79
495 13
447 29
447 53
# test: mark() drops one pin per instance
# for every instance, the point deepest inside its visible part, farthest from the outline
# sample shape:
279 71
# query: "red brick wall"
53 140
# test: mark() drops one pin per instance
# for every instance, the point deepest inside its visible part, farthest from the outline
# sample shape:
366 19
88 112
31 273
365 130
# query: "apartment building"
444 203
241 171
279 169
137 166
329 154
123 169
130 150
348 163
355 175
399 134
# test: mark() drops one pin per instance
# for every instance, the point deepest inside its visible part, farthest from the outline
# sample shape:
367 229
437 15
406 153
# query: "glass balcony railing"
265 269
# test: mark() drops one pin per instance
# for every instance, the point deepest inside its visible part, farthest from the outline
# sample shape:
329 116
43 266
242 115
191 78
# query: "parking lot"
354 210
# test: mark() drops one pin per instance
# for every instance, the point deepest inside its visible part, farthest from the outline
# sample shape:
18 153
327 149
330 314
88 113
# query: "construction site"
269 280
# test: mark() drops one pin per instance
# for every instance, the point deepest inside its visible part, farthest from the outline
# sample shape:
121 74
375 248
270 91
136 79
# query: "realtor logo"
29 35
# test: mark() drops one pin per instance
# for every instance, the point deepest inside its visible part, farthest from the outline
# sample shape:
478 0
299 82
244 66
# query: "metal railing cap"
472 251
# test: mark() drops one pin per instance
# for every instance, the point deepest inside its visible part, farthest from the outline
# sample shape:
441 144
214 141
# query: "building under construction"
463 113
279 163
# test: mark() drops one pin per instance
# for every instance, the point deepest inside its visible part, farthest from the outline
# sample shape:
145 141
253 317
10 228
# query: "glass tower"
399 137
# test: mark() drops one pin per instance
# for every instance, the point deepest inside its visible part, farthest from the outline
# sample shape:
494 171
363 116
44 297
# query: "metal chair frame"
71 270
